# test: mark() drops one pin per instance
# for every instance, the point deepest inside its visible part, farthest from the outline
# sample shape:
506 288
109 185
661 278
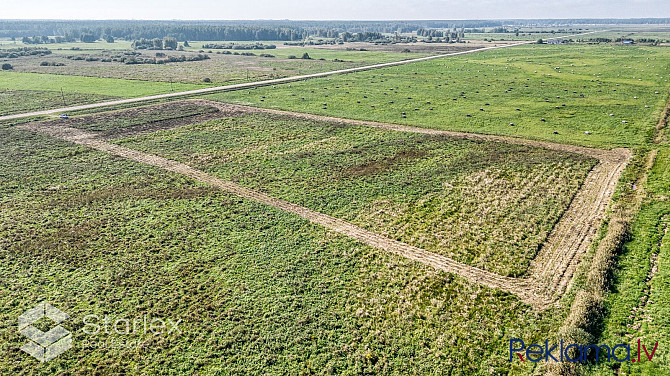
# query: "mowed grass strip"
14 101
89 85
490 205
603 96
258 291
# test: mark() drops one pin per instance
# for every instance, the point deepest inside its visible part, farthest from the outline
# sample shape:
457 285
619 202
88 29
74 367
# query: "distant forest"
259 30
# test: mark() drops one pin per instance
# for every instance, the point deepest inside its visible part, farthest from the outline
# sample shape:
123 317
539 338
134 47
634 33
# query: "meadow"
26 92
110 124
218 69
603 96
638 308
262 291
524 35
452 197
258 290
31 85
13 101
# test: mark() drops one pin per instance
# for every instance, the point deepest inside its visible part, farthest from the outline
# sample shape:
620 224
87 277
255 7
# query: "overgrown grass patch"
487 204
258 290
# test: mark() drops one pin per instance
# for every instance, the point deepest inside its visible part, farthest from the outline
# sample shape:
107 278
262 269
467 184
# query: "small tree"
87 38
186 44
305 56
170 43
7 66
540 41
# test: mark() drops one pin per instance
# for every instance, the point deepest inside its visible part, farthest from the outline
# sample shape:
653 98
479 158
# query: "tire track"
551 271
556 262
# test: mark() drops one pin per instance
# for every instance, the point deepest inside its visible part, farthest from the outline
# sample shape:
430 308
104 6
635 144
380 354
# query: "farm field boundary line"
262 83
571 236
556 262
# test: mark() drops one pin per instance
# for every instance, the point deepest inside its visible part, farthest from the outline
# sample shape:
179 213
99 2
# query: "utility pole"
62 95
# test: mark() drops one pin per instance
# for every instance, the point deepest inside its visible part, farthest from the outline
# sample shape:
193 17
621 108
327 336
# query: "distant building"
555 41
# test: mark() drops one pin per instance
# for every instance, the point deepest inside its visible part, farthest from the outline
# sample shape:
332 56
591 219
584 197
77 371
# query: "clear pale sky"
330 10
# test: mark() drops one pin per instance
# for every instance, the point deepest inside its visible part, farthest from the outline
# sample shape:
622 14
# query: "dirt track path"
552 270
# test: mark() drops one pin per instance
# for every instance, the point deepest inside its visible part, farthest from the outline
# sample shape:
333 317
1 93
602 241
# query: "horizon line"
335 20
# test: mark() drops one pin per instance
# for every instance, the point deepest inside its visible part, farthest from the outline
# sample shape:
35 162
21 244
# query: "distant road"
263 83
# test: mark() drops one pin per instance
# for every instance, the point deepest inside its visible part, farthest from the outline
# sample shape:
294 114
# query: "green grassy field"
261 291
462 199
25 92
638 306
18 101
661 34
258 291
88 85
519 86
511 36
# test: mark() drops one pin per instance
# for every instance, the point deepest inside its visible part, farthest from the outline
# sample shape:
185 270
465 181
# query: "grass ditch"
583 324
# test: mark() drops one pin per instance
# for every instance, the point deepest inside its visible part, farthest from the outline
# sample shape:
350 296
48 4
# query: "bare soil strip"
552 270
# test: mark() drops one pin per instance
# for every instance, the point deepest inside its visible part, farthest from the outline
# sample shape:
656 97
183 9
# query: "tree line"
58 31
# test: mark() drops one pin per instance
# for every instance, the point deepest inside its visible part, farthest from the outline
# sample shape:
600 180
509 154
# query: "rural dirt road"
552 270
249 85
